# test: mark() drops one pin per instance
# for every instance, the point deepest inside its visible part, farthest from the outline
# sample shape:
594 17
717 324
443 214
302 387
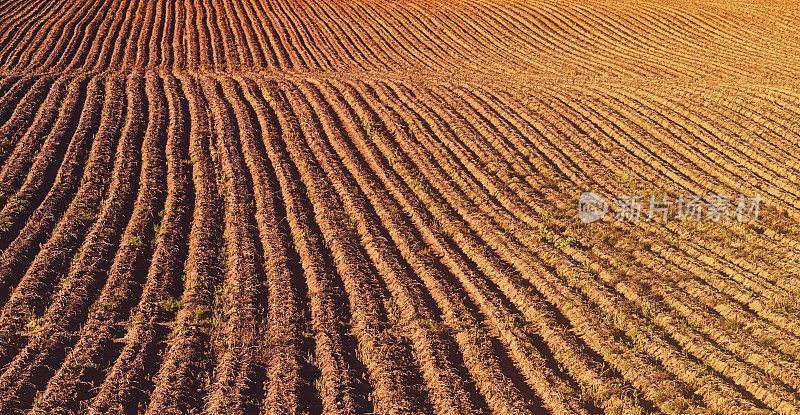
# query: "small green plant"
135 240
134 319
392 311
91 365
170 304
319 386
564 241
367 124
101 305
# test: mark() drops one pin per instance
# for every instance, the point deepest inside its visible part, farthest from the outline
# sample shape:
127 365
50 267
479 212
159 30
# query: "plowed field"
347 207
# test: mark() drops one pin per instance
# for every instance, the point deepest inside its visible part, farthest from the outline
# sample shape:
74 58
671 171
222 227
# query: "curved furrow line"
485 44
146 34
769 127
639 29
12 7
30 46
81 31
177 55
379 39
237 368
184 376
440 37
739 47
552 131
61 41
522 235
765 356
90 34
399 37
126 384
286 38
767 135
13 130
781 99
209 45
725 286
123 39
103 47
680 165
379 342
280 57
341 39
552 40
295 39
27 196
466 342
600 247
287 385
697 130
310 41
539 173
13 96
35 139
329 43
602 29
523 299
192 41
752 295
566 270
156 40
646 20
219 49
230 44
697 191
644 23
7 82
170 49
25 309
441 375
344 389
746 355
478 354
651 54
132 39
16 9
24 28
587 115
256 43
548 44
242 39
471 29
532 202
544 39
751 269
65 325
90 49
18 246
393 33
719 129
